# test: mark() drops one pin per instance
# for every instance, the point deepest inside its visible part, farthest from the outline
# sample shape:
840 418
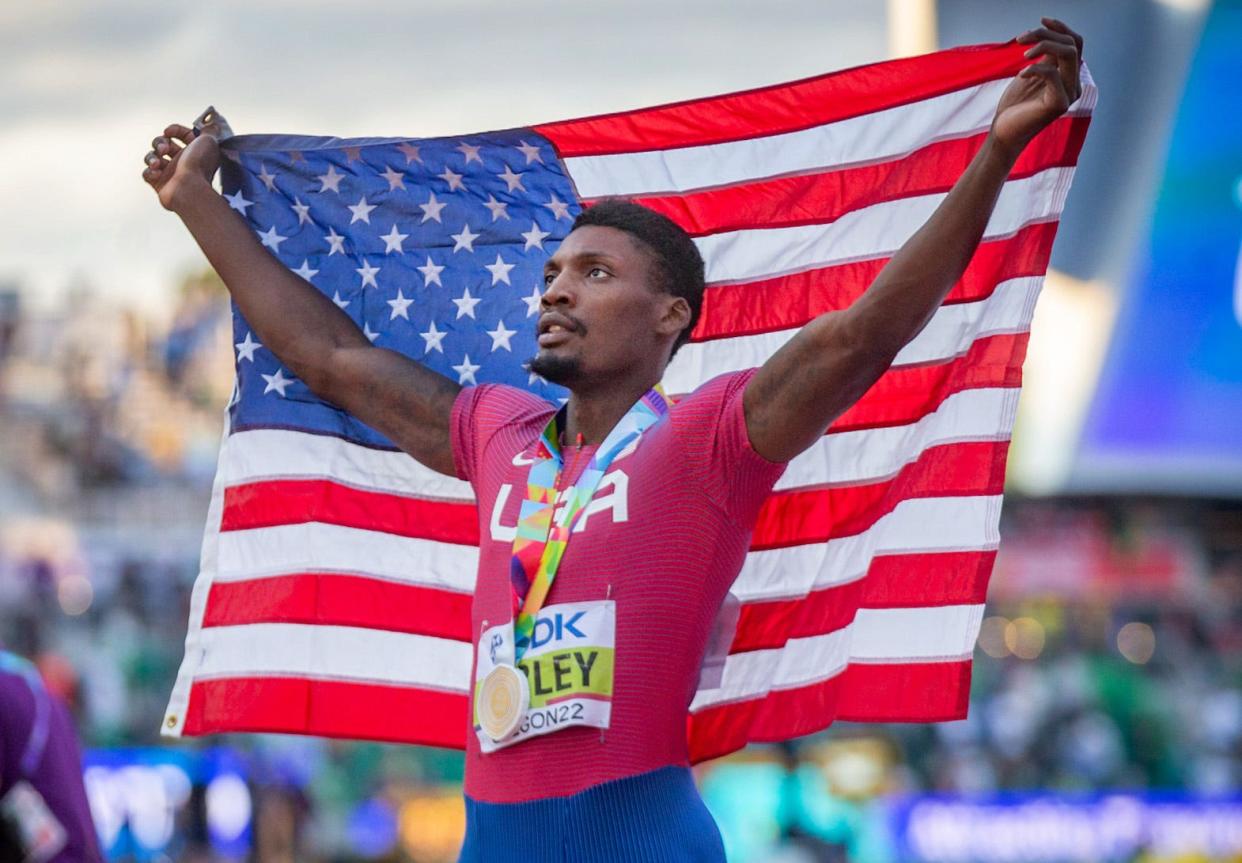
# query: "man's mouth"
555 328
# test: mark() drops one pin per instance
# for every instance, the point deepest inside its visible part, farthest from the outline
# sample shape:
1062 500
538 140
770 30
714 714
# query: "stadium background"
1106 718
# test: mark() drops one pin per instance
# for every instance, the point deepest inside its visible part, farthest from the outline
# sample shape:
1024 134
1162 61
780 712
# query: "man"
44 815
612 528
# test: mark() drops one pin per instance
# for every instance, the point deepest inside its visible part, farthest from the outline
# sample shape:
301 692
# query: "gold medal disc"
503 699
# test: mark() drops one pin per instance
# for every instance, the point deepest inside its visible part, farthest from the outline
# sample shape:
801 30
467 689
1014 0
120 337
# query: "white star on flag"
465 305
400 306
269 180
361 210
410 151
499 270
246 349
431 272
433 337
336 243
431 209
512 180
500 336
238 201
558 207
530 151
465 239
471 152
305 270
452 178
336 298
393 240
303 211
497 207
366 331
535 237
532 302
276 382
368 274
271 239
396 180
465 371
330 180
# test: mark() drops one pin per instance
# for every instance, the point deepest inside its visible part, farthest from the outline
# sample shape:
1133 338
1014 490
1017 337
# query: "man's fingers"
1057 49
184 134
1044 33
1061 27
1041 70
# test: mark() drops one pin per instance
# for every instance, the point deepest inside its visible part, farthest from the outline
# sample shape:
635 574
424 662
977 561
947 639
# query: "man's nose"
558 293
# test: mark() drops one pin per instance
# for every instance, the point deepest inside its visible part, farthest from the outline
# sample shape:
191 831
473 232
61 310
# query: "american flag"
337 572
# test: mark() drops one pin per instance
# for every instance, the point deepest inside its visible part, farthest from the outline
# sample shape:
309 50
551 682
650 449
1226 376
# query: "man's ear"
676 316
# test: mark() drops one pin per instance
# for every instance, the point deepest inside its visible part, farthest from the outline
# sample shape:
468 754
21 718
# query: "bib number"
568 667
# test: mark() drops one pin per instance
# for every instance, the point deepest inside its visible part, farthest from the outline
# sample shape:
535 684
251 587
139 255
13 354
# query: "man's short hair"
678 264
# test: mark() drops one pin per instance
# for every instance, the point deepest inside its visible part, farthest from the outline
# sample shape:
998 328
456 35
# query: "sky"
84 86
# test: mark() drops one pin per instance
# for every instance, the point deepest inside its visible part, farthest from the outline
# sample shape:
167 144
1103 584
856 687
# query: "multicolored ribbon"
540 543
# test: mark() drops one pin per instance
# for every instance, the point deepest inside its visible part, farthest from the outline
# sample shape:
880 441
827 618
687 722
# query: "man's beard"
557 370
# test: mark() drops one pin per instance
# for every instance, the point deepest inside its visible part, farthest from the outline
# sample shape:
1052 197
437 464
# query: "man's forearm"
913 284
292 319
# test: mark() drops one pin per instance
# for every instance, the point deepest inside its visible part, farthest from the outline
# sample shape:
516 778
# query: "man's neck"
594 413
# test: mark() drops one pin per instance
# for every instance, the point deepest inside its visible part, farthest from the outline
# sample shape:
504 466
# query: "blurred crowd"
1109 658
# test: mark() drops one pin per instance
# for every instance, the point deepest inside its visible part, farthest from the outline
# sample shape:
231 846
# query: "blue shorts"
655 817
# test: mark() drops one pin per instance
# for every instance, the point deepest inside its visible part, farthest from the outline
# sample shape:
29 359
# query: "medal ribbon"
539 543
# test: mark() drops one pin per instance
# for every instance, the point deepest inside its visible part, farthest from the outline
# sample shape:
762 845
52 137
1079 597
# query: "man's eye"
547 279
596 272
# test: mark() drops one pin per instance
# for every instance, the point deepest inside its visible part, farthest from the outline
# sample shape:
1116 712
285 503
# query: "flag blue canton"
434 247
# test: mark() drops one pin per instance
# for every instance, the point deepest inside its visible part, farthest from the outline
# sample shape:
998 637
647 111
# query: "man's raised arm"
319 343
835 358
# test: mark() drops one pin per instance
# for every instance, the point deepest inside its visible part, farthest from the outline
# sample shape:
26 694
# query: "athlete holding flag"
613 527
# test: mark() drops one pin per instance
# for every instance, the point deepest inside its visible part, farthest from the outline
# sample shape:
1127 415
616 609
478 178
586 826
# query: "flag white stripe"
869 455
965 523
874 137
317 547
950 333
840 459
875 635
267 454
318 651
871 232
931 524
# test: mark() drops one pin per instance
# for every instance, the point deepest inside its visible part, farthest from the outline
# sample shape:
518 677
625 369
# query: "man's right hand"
180 157
402 399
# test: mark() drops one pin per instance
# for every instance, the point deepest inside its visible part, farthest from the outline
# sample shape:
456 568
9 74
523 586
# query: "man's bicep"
402 399
808 383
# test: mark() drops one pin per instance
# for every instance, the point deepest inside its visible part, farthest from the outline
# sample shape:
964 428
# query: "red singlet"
664 537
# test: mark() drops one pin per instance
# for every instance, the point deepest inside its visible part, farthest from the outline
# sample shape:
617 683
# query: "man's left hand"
1042 91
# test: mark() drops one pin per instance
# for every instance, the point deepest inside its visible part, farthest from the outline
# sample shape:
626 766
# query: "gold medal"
502 701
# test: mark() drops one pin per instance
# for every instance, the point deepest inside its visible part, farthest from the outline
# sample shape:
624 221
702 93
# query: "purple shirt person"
44 816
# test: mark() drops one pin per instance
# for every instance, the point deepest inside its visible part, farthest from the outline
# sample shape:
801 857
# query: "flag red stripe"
785 302
340 600
784 107
329 708
794 517
896 692
904 395
268 503
816 198
804 516
896 580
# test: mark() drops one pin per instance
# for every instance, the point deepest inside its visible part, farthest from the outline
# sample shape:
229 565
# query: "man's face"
600 315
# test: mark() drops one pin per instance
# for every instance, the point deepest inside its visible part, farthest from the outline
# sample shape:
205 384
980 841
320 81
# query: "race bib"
568 666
